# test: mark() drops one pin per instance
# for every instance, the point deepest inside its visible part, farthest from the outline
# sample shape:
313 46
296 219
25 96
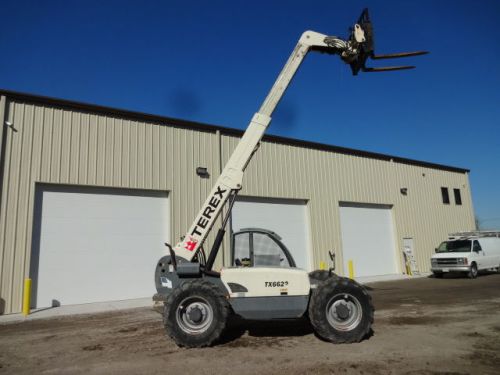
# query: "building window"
458 197
446 196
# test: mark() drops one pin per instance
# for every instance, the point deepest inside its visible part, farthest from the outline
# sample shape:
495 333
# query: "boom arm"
230 180
353 51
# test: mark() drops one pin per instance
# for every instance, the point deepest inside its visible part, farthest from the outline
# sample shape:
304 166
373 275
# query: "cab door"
259 248
479 256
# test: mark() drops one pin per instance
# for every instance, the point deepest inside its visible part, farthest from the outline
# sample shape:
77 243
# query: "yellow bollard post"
408 270
27 296
351 269
322 265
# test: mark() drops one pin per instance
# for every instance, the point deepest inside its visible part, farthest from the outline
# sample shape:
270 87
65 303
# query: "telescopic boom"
353 51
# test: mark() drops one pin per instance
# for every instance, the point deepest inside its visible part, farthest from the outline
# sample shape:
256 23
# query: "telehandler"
264 284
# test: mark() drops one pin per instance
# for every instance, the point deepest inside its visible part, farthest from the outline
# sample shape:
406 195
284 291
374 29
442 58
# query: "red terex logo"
191 244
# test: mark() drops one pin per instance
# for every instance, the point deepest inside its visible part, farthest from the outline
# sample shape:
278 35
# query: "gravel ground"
422 326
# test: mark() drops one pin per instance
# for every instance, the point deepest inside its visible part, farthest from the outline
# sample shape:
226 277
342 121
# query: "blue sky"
214 62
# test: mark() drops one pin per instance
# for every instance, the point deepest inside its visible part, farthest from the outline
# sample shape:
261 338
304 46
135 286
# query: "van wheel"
438 275
473 271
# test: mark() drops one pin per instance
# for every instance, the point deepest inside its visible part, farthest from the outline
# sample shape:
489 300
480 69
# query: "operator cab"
256 247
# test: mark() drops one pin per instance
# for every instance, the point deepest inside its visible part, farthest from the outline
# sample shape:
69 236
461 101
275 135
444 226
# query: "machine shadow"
237 327
283 328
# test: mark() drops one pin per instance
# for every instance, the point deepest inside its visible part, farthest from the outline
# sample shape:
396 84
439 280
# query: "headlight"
461 260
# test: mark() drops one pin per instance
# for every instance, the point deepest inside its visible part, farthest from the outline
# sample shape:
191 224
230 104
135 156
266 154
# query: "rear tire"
341 311
195 314
472 274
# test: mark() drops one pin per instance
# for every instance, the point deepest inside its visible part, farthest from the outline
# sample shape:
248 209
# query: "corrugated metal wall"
53 145
64 146
325 178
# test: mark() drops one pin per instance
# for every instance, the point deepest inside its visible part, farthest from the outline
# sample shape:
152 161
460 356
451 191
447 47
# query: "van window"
460 246
476 246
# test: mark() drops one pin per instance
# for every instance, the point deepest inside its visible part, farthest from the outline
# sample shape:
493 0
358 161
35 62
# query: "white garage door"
93 244
368 239
286 218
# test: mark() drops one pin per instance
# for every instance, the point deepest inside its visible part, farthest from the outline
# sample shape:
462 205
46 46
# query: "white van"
470 253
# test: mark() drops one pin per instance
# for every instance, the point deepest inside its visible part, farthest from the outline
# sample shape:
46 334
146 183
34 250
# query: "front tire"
472 274
438 275
195 314
341 311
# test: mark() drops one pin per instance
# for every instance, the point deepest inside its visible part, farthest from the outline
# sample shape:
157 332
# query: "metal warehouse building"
90 194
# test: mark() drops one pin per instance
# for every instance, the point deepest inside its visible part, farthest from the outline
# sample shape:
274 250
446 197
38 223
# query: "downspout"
3 141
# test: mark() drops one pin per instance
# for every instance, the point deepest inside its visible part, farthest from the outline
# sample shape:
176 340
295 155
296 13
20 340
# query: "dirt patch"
487 349
128 330
91 348
415 320
368 368
256 342
474 334
486 358
496 328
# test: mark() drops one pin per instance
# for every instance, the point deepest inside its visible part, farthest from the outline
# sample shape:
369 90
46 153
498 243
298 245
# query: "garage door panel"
368 239
97 244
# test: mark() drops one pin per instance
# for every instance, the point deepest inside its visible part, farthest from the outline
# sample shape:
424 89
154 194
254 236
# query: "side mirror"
436 250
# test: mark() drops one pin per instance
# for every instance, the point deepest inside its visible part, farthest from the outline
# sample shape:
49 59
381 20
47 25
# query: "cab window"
476 246
241 249
267 252
254 249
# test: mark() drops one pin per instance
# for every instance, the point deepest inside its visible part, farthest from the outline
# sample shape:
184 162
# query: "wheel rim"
344 312
194 315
